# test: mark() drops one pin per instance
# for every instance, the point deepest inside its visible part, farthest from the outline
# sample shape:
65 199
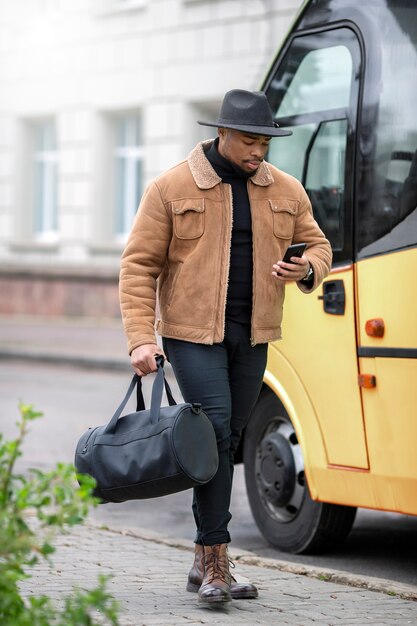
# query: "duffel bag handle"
156 398
156 390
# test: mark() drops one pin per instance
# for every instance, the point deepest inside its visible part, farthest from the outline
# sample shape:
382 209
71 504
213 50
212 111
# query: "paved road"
72 399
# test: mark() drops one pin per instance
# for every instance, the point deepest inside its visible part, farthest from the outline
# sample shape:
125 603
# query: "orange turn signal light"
375 327
367 381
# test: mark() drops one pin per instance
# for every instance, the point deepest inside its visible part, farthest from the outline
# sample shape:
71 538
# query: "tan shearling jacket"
179 246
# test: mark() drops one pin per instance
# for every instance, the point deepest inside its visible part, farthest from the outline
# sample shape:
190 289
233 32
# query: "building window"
129 154
108 7
45 180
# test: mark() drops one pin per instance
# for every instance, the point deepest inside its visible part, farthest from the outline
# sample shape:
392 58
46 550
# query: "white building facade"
97 98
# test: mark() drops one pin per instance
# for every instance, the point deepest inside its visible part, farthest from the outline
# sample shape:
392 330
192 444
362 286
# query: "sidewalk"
149 576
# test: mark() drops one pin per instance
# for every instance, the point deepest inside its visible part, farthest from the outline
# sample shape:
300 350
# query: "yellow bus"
335 426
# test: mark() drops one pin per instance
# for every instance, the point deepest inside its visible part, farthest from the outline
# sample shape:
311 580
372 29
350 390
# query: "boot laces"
216 566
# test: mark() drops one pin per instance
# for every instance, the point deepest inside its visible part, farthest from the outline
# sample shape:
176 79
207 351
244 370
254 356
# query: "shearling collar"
205 177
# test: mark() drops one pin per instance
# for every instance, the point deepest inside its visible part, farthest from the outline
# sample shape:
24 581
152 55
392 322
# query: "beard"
241 172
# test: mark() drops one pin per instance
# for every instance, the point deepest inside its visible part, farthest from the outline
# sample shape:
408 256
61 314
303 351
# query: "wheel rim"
279 471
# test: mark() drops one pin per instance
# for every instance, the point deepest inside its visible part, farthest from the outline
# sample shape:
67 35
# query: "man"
212 231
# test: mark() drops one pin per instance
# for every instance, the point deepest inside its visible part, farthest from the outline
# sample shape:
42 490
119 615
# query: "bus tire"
277 489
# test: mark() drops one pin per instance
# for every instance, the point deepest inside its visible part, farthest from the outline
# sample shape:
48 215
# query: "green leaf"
58 502
28 412
47 549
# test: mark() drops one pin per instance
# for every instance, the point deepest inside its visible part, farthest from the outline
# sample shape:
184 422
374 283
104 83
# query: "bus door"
315 92
387 256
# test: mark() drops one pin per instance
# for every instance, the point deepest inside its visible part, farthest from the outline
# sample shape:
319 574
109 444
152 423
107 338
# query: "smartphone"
297 249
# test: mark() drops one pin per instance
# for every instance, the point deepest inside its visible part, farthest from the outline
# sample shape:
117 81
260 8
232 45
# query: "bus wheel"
277 489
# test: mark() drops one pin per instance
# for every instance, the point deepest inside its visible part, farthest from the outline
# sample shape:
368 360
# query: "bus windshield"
387 200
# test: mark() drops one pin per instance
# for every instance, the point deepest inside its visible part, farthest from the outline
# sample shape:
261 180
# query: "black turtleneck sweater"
239 293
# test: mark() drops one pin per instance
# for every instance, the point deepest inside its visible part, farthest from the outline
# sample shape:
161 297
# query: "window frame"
351 114
129 155
45 215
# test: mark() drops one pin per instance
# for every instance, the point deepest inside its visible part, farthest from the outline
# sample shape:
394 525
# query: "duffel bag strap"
156 399
140 402
157 389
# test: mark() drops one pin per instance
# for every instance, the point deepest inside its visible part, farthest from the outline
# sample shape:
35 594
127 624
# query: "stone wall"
58 293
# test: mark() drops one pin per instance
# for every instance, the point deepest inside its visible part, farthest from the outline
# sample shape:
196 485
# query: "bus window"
325 175
314 92
387 209
321 81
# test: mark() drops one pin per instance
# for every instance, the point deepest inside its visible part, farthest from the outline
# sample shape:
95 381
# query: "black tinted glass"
387 201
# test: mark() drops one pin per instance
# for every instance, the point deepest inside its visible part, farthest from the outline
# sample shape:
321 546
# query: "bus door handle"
333 297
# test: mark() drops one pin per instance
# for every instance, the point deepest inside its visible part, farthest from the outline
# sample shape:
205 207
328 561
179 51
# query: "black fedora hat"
247 111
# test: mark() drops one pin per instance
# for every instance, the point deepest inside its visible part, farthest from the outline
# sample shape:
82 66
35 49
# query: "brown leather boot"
215 586
238 590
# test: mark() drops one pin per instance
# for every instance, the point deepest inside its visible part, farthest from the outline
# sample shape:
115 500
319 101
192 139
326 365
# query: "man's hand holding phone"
294 266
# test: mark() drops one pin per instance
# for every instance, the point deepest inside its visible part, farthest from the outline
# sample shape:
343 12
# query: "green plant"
33 508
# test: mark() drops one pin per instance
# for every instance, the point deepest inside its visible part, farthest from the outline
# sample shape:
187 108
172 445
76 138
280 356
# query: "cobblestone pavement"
148 579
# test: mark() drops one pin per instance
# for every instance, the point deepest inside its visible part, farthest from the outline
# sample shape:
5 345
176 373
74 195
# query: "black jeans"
226 379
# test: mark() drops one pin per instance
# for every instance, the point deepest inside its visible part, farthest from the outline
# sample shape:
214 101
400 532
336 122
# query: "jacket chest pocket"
188 218
283 218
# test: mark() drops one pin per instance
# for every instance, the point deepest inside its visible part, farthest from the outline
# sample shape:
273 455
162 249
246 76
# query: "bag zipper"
84 450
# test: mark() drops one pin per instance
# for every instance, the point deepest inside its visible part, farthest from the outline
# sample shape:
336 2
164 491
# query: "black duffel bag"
149 453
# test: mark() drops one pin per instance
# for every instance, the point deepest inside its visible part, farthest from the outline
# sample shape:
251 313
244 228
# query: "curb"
83 361
370 583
